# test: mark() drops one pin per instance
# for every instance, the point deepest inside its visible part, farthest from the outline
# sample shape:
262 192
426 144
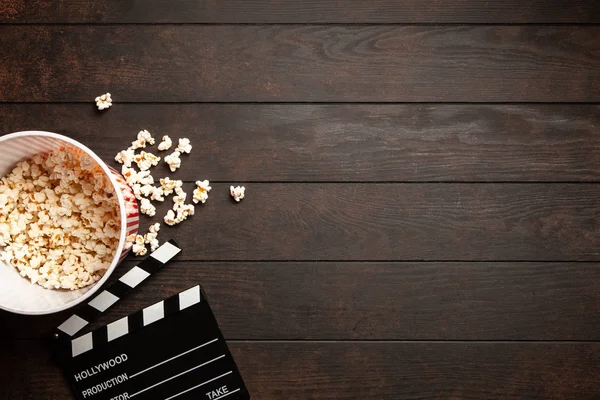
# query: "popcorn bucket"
18 294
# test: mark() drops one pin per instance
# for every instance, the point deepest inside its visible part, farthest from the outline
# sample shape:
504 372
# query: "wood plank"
403 222
463 222
301 63
380 222
344 142
357 371
307 11
366 301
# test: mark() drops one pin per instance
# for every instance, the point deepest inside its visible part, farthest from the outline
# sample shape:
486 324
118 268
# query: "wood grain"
463 222
307 11
344 142
373 301
357 371
301 63
383 251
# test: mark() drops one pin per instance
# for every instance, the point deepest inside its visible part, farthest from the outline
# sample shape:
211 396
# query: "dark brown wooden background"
422 216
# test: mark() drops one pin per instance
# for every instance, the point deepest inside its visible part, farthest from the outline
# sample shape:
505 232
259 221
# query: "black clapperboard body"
170 350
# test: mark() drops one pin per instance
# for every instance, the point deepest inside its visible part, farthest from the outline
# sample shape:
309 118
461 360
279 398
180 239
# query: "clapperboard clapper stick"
170 350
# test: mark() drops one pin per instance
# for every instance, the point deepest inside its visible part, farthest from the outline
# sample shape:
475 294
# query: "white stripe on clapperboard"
117 329
106 299
121 327
150 315
134 277
179 374
103 301
73 325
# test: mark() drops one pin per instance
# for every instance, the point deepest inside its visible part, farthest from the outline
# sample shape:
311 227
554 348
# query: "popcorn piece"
145 135
137 191
179 197
145 179
183 212
139 246
168 186
157 194
150 236
154 228
201 191
152 159
170 218
165 144
173 160
139 240
147 208
147 190
184 146
104 101
143 138
152 240
146 160
125 157
130 175
154 244
237 192
129 240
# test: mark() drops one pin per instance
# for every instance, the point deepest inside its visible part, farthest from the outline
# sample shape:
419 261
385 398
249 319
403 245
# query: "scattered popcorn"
142 183
147 208
125 157
237 192
165 144
150 236
137 191
184 146
183 211
129 240
139 246
154 245
170 218
154 228
179 197
152 240
146 160
104 101
144 178
201 191
168 186
147 190
59 220
157 194
132 177
173 160
143 138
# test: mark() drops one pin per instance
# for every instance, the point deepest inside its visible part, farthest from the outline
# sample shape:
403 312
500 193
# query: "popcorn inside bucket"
59 219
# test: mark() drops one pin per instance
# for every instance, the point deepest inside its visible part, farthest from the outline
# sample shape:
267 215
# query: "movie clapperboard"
170 350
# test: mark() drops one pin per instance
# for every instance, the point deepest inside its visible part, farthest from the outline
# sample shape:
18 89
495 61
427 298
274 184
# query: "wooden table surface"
422 216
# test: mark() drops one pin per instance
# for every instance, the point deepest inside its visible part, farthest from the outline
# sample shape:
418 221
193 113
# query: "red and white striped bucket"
17 294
